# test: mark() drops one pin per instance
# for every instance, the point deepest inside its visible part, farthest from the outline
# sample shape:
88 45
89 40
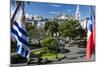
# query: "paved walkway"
75 55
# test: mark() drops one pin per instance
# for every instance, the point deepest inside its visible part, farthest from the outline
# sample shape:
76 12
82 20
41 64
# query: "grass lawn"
36 52
52 56
49 56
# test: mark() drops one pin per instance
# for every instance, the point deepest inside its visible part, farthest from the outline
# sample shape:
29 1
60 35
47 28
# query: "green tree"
70 28
51 27
49 43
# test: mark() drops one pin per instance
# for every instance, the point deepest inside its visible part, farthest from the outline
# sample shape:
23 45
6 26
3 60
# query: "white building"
84 24
29 18
41 23
77 14
63 17
37 17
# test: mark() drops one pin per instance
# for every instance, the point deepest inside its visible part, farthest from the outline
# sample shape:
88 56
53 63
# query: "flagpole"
19 4
28 58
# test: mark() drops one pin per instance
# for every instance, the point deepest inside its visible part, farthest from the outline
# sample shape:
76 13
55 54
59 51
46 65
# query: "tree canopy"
51 27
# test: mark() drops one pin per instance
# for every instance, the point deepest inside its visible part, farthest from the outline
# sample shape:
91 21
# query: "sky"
50 10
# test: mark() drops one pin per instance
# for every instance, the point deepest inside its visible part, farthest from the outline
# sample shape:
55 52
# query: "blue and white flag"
18 32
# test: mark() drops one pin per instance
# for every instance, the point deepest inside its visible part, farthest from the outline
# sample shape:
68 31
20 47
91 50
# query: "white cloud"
54 5
54 12
69 10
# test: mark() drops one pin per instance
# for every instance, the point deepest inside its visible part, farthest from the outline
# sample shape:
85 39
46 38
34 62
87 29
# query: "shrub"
49 42
13 46
18 59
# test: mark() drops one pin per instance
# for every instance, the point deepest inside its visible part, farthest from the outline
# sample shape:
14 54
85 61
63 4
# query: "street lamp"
56 35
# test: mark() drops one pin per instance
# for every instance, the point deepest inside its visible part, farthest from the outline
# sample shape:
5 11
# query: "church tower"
77 14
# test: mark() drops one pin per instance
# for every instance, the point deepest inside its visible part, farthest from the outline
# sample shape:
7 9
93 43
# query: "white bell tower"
77 14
